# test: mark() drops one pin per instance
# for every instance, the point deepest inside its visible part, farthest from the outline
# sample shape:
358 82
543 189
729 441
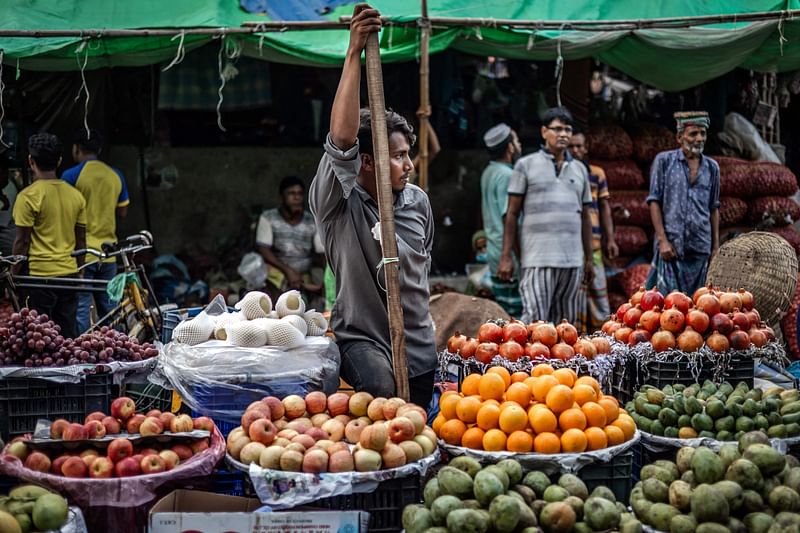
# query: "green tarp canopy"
669 59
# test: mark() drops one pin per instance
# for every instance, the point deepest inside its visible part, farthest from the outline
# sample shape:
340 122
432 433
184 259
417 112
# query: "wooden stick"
391 266
424 95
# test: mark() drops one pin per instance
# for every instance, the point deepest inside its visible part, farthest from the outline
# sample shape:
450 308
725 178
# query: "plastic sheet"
283 490
566 463
662 444
75 522
741 135
229 370
124 372
600 368
119 492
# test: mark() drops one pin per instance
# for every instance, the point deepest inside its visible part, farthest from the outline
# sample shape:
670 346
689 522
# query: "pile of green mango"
721 412
748 487
30 508
465 497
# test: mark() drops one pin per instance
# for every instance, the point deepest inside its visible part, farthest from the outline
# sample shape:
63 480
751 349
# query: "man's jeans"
96 270
368 368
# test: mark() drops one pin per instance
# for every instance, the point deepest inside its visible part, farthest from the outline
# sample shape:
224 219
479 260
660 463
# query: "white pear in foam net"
290 303
264 324
298 322
284 334
246 334
317 325
254 305
193 331
223 320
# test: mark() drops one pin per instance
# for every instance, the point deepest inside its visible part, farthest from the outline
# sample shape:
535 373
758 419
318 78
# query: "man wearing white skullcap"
684 208
504 150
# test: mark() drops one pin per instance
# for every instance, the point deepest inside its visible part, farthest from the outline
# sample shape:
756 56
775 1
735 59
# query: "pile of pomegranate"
722 320
537 341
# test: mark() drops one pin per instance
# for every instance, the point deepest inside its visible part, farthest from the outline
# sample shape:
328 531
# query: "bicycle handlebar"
131 244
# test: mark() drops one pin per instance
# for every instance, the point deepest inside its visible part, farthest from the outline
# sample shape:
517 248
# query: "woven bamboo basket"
764 264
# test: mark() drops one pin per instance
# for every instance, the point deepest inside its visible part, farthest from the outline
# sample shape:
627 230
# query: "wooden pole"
424 95
391 265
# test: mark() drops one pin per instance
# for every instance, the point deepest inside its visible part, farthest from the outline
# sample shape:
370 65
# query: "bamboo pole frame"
391 265
424 95
254 27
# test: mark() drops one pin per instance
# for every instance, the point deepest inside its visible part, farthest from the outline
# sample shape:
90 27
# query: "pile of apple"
124 416
538 341
337 433
119 457
722 320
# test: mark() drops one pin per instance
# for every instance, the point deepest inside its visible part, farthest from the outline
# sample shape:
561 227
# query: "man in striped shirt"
554 195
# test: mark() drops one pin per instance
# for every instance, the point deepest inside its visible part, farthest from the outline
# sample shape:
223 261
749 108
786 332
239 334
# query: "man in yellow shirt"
50 216
106 196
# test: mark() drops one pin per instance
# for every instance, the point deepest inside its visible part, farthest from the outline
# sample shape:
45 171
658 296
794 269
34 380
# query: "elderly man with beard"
684 208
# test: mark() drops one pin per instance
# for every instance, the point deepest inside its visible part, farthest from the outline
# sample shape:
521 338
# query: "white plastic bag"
253 270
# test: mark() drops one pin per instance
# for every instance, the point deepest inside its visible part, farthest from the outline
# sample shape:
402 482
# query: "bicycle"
137 311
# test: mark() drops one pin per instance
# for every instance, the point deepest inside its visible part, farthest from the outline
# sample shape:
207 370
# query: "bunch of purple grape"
32 339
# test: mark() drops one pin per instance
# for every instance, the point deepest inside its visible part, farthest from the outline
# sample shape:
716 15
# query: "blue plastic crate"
227 404
230 482
174 317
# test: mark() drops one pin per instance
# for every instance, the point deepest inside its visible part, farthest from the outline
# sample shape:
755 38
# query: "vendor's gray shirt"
345 214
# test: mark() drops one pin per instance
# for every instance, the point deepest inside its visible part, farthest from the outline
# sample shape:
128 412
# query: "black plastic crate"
7 483
149 396
614 474
23 401
643 456
623 381
662 373
385 505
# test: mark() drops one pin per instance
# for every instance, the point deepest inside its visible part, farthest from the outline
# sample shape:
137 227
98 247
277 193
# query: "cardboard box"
186 511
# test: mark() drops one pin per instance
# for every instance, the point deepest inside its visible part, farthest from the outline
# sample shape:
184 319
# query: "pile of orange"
546 411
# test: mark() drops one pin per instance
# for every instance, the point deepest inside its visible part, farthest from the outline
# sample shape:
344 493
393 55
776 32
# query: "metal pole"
391 266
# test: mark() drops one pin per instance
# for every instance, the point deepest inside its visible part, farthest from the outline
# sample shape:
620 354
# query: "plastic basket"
614 474
662 373
622 381
643 456
23 401
385 505
174 317
149 396
229 482
211 399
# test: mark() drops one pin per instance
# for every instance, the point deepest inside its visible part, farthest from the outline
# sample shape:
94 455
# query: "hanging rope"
559 69
2 107
84 87
180 54
781 38
261 40
221 83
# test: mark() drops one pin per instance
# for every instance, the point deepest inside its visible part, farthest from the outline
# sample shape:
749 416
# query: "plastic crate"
622 381
385 505
614 474
211 399
643 456
230 482
23 401
149 396
661 373
174 317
